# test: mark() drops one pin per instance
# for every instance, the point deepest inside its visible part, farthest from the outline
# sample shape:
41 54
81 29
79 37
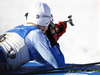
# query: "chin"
43 32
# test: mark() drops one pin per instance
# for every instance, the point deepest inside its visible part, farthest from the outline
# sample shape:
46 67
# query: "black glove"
51 37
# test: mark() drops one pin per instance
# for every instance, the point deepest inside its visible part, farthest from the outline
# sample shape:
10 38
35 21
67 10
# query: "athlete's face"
43 28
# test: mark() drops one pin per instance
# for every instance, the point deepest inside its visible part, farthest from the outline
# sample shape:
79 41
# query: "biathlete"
32 41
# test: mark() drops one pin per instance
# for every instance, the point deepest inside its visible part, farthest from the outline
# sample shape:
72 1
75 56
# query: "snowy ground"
80 44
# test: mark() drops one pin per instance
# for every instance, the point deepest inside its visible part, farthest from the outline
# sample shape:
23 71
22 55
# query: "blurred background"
80 43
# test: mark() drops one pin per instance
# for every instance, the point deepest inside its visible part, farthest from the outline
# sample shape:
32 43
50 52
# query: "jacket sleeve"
37 42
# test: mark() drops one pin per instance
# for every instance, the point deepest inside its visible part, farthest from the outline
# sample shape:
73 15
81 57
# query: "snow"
80 43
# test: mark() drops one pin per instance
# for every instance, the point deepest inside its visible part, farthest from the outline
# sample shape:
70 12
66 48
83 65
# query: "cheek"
47 28
44 28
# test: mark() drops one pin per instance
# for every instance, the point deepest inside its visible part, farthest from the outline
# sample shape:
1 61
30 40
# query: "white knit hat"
39 14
